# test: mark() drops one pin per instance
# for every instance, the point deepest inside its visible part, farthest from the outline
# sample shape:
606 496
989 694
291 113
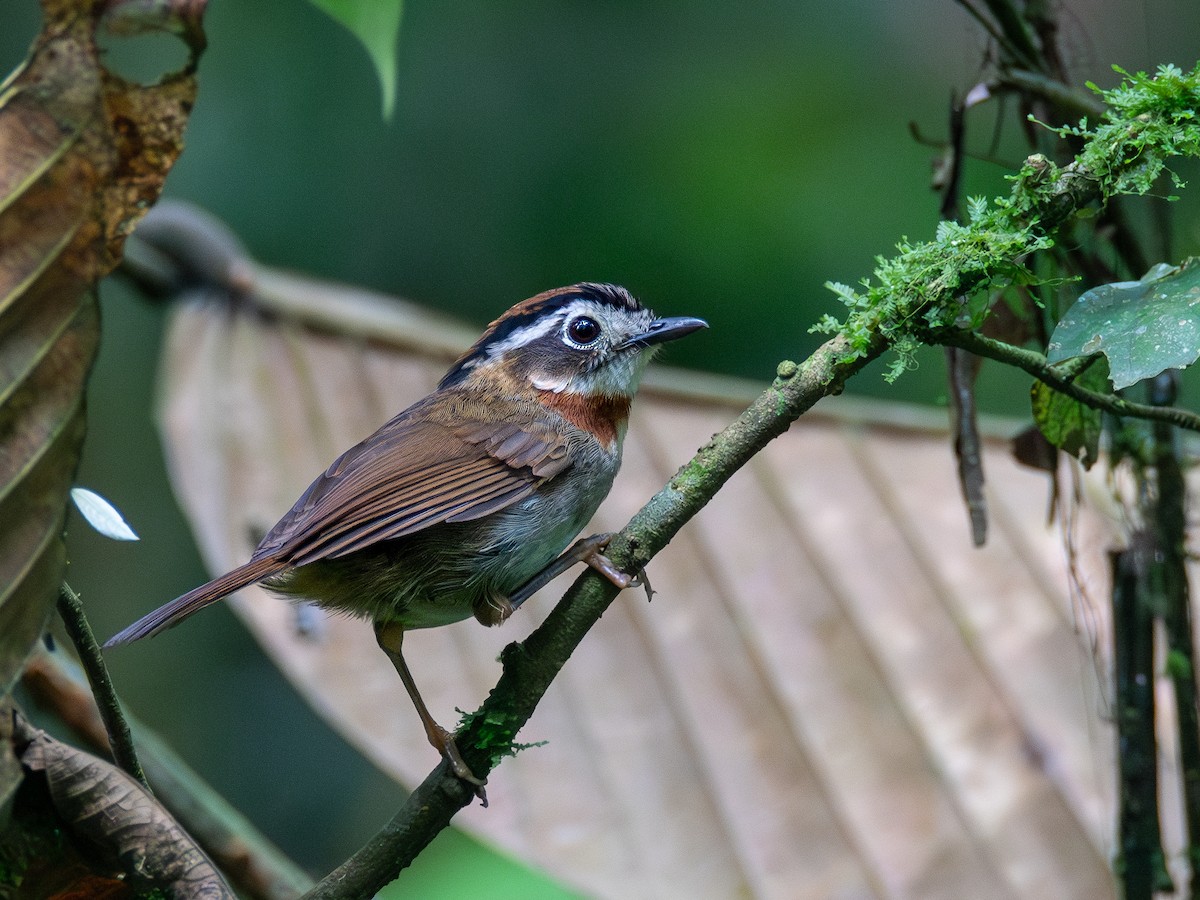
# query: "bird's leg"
588 550
390 637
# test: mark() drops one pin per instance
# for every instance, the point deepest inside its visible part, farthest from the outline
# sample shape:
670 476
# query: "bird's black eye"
583 330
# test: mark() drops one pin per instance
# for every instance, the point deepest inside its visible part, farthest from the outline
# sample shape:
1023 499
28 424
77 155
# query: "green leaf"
376 24
1143 327
1068 424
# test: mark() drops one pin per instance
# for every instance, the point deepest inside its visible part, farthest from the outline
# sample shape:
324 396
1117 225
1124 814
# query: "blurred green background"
721 160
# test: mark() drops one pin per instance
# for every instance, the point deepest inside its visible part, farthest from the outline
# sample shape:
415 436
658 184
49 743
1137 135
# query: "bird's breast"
530 534
602 416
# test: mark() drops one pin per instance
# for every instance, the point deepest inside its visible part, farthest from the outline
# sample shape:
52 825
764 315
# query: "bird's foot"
588 550
458 765
595 558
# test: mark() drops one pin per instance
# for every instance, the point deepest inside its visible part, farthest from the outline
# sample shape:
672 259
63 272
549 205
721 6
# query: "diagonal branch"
531 665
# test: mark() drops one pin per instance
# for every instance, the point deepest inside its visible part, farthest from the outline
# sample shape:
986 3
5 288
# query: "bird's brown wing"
413 473
430 464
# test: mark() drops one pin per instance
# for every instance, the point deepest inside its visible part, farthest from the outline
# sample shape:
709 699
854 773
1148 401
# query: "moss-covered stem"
120 739
1060 378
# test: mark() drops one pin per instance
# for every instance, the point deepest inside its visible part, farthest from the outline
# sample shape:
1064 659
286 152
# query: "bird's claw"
642 579
605 566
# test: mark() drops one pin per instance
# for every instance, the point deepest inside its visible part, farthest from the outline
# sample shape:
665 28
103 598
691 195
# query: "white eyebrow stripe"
526 335
551 322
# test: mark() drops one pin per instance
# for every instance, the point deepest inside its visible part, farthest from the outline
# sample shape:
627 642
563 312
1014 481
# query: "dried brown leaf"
256 867
107 809
82 156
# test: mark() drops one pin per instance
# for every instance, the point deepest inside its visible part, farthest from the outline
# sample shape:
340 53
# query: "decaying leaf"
107 809
83 154
832 694
257 868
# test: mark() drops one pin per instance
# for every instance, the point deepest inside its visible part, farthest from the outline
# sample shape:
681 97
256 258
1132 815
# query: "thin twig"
1036 365
1017 34
1065 97
961 367
989 26
120 740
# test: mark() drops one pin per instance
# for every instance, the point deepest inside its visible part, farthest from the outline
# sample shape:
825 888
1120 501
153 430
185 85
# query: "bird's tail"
194 600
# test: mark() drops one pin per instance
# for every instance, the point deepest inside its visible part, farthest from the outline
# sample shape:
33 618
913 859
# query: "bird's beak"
663 330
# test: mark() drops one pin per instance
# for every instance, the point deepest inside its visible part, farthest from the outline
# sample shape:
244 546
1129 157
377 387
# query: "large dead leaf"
832 694
104 808
82 155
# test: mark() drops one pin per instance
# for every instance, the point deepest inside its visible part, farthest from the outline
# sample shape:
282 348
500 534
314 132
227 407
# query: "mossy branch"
945 282
919 292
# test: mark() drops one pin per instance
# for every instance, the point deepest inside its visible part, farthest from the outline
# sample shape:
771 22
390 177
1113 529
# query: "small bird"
462 504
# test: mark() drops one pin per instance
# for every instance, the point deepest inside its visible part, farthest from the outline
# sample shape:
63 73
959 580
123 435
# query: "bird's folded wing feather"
411 474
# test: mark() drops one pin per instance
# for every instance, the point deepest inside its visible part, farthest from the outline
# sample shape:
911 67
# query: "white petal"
102 515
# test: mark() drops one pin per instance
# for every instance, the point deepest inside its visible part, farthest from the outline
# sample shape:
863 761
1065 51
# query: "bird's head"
586 340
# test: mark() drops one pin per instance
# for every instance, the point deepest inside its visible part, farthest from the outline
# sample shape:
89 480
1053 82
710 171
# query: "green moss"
692 476
1150 120
493 731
